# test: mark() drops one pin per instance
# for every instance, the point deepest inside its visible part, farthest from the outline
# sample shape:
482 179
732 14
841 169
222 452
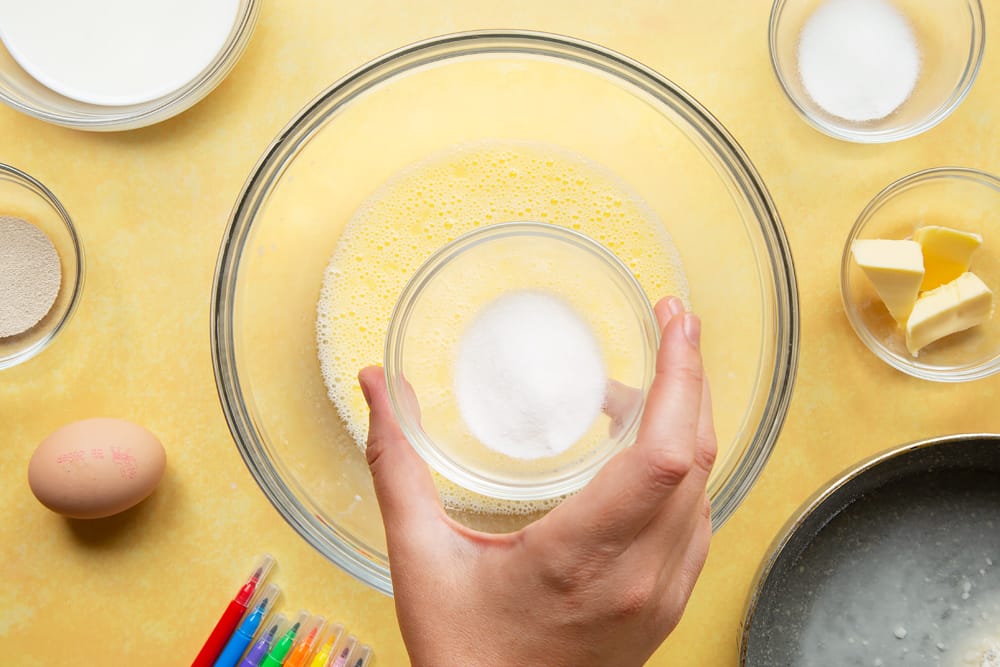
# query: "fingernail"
364 390
692 329
675 305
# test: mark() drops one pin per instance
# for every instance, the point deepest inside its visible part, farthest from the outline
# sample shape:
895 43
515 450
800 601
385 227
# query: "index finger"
627 493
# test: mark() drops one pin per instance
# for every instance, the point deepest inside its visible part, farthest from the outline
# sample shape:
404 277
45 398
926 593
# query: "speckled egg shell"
96 467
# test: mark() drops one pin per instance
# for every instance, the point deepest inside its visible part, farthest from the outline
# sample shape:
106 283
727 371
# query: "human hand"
622 404
600 580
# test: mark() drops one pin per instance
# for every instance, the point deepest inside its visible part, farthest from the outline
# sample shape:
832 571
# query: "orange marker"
304 649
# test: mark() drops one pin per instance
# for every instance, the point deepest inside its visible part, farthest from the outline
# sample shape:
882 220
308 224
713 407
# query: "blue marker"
240 640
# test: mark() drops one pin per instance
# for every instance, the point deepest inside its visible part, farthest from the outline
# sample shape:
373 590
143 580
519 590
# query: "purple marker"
342 658
349 645
263 645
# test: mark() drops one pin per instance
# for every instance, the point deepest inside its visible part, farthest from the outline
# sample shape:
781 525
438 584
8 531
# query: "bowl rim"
333 543
39 189
98 118
913 368
815 502
395 338
977 45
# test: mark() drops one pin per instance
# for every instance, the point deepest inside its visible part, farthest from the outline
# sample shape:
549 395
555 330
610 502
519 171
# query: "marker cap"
363 654
271 593
348 646
326 641
317 623
257 576
279 620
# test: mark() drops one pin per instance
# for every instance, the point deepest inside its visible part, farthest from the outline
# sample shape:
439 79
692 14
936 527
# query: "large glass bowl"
464 89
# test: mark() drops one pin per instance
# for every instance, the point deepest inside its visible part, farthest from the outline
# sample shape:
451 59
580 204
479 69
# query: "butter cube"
895 268
947 253
956 306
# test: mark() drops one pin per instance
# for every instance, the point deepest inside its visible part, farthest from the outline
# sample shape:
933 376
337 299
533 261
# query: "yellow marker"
957 306
326 645
947 253
895 269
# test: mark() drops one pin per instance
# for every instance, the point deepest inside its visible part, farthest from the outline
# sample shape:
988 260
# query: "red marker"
231 617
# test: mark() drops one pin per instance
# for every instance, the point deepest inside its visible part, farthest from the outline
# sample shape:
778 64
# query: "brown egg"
96 467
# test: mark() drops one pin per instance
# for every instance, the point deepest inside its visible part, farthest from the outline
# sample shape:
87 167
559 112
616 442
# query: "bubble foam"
437 200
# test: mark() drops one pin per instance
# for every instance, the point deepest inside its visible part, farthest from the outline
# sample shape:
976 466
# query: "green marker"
281 649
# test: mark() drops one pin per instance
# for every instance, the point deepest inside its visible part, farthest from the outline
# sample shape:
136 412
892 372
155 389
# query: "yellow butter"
895 269
959 305
947 253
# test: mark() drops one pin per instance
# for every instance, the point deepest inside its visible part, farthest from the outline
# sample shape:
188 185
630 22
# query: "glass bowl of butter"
434 141
920 272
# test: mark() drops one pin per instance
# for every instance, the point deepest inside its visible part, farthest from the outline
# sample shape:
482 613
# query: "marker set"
249 634
308 641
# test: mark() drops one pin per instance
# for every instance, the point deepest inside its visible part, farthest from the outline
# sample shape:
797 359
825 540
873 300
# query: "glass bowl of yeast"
426 144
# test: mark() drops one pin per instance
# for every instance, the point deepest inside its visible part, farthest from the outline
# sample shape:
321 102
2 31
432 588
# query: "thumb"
406 493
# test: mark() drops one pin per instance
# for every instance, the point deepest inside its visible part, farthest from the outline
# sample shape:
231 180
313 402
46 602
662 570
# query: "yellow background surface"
145 588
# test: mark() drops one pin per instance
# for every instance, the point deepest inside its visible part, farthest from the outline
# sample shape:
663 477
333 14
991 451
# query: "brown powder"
30 275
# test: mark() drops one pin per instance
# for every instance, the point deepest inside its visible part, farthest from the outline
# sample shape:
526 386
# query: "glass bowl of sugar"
875 71
41 267
108 65
517 359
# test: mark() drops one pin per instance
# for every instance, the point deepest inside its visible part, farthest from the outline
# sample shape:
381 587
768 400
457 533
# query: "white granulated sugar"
858 59
529 376
987 654
29 275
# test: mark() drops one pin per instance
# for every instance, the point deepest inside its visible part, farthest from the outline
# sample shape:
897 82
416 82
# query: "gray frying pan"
895 562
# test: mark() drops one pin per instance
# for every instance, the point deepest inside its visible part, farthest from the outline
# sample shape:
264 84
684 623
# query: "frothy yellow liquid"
433 202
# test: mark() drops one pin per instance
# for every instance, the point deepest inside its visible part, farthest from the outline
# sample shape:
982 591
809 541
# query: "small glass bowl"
951 37
20 90
473 271
22 196
965 199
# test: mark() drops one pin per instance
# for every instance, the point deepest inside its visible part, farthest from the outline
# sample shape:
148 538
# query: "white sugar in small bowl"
96 111
22 196
949 36
508 278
